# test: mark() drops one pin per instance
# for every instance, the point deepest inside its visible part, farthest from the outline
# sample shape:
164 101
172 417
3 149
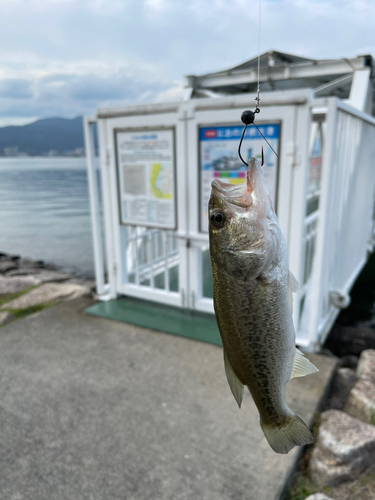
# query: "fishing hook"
248 118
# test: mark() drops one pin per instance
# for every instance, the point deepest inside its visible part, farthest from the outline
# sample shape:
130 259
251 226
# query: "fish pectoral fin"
301 365
236 386
293 286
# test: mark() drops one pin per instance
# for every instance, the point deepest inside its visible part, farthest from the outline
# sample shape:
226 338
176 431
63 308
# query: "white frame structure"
317 240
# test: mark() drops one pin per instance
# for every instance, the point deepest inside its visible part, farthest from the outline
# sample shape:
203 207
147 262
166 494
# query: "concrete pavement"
95 409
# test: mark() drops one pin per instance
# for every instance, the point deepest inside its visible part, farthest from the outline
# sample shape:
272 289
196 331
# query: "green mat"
197 326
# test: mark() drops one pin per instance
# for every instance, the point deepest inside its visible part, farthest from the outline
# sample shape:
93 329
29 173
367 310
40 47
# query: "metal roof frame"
283 71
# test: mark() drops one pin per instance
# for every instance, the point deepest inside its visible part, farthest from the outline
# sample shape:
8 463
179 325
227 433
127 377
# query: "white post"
360 89
107 208
94 206
323 239
297 205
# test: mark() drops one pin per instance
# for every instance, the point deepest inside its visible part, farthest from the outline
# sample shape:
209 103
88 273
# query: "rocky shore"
341 463
28 286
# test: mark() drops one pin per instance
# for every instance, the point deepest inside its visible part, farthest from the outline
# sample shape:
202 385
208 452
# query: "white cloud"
75 55
175 93
157 5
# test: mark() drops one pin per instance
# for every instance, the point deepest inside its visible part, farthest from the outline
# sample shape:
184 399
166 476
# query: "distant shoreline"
19 157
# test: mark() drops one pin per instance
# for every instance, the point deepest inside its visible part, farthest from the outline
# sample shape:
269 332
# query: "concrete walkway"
100 410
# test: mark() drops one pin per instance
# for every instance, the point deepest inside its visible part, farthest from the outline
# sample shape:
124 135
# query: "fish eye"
217 218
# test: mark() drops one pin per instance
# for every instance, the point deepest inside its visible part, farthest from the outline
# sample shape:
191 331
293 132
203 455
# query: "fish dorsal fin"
301 365
236 386
292 287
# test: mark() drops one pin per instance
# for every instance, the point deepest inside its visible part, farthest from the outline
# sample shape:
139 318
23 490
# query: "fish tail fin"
282 438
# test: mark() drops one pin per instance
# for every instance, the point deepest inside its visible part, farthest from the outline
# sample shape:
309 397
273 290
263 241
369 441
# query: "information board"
146 175
218 147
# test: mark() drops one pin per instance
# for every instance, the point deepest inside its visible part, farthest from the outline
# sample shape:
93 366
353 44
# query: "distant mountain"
54 136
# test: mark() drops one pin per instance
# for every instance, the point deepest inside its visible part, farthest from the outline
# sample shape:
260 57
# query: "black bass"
253 300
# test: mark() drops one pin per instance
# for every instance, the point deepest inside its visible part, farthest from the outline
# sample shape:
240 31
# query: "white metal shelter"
154 244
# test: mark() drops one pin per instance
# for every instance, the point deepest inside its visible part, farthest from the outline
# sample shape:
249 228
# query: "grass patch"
21 313
302 487
372 419
7 297
368 478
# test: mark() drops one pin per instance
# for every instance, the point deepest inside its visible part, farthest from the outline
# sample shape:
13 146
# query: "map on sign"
161 181
218 148
145 162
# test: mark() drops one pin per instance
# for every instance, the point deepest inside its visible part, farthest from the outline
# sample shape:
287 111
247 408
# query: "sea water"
44 211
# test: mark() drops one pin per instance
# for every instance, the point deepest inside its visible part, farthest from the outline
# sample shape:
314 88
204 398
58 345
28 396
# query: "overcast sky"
69 57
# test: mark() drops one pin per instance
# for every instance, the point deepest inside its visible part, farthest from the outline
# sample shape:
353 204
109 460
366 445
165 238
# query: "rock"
318 496
9 284
7 256
91 284
366 365
45 275
345 448
48 292
27 264
42 275
6 317
346 340
344 380
361 401
350 361
7 265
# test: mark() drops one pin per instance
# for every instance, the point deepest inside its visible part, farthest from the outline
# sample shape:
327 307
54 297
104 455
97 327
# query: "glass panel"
173 262
131 232
315 173
309 250
157 246
145 282
131 261
152 258
207 287
312 205
312 254
144 260
172 244
173 279
159 281
307 255
301 306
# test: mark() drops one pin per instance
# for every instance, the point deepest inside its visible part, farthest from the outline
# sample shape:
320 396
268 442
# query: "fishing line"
265 140
257 110
248 116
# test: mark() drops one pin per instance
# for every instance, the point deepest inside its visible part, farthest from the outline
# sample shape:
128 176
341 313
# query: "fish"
253 304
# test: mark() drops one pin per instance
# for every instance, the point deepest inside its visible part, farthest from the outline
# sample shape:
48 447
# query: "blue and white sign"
218 147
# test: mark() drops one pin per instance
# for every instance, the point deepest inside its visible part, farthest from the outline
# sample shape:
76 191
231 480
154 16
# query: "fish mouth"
243 195
233 194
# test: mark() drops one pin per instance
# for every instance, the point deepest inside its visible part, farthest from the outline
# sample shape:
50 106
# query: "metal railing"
151 257
344 233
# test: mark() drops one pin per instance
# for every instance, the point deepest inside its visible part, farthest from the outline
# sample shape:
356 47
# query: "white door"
213 138
147 168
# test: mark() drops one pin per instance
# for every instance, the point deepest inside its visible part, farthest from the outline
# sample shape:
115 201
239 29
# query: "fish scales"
251 298
244 342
